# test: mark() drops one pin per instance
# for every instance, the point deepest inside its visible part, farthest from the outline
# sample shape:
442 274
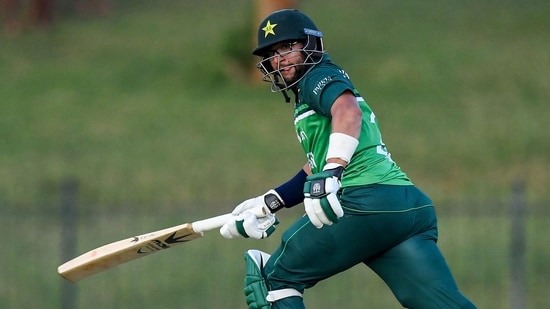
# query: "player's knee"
256 289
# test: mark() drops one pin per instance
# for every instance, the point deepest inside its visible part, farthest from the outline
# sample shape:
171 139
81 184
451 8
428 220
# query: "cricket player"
361 208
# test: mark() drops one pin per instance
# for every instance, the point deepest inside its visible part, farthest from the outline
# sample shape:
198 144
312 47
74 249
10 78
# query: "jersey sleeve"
324 87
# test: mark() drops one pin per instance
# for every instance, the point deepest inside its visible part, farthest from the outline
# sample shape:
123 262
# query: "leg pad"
273 296
255 288
256 291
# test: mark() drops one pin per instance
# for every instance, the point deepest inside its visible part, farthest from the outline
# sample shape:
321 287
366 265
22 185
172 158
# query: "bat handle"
210 223
217 222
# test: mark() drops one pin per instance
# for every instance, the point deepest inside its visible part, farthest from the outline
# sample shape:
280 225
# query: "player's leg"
418 275
257 293
308 255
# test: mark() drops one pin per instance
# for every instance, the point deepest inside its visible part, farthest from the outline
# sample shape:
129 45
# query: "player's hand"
321 203
253 218
248 225
270 199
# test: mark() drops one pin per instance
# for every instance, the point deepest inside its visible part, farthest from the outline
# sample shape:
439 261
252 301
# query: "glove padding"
321 203
252 218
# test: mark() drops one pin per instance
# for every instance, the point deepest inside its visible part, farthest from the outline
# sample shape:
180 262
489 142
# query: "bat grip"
217 222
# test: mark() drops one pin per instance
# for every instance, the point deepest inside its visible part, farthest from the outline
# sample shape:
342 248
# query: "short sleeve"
322 87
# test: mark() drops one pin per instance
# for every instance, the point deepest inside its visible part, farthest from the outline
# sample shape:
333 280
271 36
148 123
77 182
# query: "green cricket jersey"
317 91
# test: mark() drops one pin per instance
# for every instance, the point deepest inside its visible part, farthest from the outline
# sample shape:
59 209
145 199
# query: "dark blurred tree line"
18 15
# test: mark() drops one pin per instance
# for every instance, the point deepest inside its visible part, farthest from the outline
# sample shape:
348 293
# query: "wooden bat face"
126 250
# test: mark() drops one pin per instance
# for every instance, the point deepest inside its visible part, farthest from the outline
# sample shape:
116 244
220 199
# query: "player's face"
287 57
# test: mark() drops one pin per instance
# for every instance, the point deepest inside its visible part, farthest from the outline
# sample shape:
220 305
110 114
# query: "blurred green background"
150 112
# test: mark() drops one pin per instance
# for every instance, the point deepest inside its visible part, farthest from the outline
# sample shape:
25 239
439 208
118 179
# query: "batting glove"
253 218
321 203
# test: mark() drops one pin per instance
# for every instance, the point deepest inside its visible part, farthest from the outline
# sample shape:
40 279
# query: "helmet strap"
285 95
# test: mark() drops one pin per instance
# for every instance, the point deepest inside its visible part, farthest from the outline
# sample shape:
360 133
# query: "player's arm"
320 200
322 208
247 223
346 123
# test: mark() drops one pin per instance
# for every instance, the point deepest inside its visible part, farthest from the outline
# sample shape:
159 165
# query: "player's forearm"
291 192
307 169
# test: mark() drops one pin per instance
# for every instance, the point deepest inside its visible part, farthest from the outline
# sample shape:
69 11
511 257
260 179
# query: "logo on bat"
157 245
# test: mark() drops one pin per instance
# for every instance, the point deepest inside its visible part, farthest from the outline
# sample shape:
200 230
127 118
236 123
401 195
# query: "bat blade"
122 251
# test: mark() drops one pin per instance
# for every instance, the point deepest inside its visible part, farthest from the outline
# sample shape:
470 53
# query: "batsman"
360 207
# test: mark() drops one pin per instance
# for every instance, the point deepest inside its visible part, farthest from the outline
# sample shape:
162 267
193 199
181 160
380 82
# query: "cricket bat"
116 253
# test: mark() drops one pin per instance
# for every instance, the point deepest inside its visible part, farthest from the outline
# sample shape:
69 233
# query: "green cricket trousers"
391 229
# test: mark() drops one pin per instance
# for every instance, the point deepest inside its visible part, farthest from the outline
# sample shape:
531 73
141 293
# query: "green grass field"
150 111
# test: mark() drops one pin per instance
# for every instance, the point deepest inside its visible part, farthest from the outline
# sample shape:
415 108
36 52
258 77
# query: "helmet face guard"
313 53
287 25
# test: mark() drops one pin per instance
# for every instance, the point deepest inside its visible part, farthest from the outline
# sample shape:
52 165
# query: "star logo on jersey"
268 29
